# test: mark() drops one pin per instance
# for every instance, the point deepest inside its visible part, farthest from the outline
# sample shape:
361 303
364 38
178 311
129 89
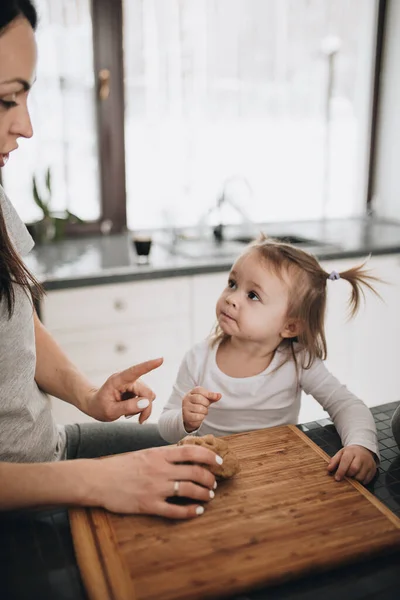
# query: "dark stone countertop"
37 558
112 259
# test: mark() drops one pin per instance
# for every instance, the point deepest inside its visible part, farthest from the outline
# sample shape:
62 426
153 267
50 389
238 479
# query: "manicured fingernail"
215 485
212 495
199 510
219 459
144 403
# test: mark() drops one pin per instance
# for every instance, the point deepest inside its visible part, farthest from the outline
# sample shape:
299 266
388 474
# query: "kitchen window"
162 105
63 112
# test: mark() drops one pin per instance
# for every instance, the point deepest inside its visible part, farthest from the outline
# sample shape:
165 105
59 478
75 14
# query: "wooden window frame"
381 28
107 24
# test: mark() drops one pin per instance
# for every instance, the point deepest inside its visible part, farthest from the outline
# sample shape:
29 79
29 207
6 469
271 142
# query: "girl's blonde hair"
307 294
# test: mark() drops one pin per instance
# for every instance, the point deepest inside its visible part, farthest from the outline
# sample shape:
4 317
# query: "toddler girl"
268 346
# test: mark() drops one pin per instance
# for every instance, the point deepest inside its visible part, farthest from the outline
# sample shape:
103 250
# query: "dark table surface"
37 559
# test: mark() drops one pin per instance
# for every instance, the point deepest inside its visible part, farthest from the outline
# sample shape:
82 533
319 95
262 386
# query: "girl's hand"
139 482
195 407
354 461
123 394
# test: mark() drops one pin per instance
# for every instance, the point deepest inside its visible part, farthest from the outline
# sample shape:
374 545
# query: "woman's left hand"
123 394
353 461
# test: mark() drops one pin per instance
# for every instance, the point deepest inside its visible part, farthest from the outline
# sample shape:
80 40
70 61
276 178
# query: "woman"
35 455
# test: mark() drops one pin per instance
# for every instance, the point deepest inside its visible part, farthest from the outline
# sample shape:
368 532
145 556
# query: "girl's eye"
231 283
253 296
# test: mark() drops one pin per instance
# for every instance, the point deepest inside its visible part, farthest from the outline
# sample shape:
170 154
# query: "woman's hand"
139 482
354 461
195 407
123 394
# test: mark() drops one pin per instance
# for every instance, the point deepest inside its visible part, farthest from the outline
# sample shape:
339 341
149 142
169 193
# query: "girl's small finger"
335 460
370 475
214 396
196 417
362 474
198 400
345 462
198 409
356 468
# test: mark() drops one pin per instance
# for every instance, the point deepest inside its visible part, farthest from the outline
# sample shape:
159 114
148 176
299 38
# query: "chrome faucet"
225 199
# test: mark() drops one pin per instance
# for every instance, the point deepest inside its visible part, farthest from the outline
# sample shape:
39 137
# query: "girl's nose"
231 300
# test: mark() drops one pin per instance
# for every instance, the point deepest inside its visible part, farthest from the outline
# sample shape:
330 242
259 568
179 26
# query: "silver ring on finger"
176 488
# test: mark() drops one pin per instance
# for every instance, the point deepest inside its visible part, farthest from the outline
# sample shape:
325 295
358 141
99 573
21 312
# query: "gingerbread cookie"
229 467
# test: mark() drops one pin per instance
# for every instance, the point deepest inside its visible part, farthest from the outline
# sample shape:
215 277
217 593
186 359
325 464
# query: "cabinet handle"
119 305
120 348
104 84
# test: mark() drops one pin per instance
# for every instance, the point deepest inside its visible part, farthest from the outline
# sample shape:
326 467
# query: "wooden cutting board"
281 517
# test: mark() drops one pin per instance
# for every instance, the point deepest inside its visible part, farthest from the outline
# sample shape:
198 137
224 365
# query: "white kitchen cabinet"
105 329
111 305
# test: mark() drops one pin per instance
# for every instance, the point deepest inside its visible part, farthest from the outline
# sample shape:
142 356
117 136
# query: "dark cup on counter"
142 243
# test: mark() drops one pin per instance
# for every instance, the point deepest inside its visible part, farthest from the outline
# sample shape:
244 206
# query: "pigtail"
360 279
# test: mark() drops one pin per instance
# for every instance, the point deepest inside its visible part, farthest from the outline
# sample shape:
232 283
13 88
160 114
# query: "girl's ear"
292 328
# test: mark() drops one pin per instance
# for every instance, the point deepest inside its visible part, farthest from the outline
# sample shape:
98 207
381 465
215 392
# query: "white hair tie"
334 276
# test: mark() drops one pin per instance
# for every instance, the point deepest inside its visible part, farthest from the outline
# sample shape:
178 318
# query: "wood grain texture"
86 553
281 517
95 543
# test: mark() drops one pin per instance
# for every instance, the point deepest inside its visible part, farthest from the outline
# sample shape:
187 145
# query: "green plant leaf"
48 180
38 201
73 217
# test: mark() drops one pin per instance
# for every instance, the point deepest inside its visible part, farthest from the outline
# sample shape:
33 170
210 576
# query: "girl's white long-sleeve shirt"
268 399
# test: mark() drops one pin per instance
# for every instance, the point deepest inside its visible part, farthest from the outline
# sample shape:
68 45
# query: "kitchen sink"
208 248
288 239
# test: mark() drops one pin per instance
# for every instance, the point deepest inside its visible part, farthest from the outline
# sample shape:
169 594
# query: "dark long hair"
12 269
12 9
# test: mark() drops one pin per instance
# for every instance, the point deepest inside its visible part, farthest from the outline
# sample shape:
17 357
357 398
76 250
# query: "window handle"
119 304
104 83
120 348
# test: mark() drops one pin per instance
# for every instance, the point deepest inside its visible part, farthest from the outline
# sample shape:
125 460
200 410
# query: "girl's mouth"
224 314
